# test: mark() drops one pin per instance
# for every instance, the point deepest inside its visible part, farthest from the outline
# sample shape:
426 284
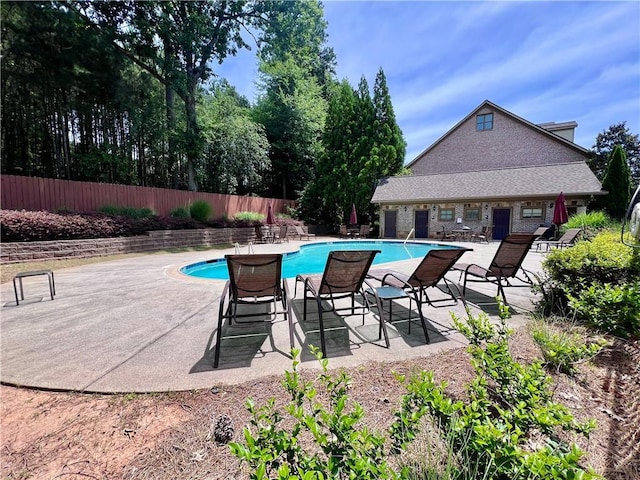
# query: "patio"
139 325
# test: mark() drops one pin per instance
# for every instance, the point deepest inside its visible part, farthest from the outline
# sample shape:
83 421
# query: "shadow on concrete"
242 342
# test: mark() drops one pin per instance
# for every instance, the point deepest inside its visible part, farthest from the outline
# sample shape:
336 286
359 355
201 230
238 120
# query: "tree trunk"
192 134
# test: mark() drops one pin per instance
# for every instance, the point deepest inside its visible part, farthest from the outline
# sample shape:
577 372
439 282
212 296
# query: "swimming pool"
312 258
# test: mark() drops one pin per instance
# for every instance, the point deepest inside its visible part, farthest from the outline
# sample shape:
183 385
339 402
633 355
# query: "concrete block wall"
15 252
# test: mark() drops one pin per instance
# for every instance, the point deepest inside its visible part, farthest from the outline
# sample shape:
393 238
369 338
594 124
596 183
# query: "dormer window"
484 122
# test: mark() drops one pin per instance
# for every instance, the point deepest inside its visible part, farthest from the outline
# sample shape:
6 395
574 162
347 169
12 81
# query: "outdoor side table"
20 276
386 293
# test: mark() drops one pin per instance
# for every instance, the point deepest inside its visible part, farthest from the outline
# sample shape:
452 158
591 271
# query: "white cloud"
544 61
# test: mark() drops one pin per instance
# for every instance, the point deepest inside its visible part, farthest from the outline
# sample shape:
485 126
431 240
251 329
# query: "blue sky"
543 61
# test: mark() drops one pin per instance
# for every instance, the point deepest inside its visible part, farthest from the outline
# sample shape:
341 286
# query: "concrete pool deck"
139 325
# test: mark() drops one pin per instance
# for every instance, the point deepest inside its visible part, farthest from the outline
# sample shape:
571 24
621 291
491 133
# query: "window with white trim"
446 214
532 212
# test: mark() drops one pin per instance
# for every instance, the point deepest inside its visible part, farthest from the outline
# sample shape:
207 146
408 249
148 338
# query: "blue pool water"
312 258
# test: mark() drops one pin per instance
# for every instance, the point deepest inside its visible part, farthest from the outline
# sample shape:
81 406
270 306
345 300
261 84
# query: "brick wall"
510 143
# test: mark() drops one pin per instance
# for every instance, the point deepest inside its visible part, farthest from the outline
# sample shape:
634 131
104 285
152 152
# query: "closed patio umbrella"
270 221
270 218
560 214
353 219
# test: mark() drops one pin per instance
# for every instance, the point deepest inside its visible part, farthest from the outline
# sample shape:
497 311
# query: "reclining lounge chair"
506 264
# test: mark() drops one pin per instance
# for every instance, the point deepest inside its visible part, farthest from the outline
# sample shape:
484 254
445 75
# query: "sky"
543 61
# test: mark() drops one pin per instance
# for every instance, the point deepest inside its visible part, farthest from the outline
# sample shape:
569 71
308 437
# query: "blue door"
390 223
501 223
422 224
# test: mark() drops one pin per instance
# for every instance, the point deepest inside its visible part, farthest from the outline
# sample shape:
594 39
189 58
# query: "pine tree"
617 181
389 139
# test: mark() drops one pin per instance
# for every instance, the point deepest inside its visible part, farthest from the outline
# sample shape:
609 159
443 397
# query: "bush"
486 436
508 402
612 309
563 349
345 448
200 211
250 217
604 259
25 226
180 212
130 212
591 223
22 226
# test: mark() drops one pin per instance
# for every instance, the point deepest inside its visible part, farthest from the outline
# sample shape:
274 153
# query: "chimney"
563 129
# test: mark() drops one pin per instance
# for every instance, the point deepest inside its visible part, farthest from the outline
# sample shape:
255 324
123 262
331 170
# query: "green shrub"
507 403
485 436
180 212
200 211
604 259
130 212
562 349
345 448
596 220
612 309
250 217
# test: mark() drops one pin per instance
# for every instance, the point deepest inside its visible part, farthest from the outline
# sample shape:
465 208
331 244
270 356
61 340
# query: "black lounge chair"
343 277
566 240
428 275
253 280
506 264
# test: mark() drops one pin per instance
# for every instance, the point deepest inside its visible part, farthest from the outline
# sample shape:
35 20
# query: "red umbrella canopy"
560 214
353 219
270 218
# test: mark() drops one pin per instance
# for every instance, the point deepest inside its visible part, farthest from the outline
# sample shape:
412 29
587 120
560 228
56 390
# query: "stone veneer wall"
406 216
157 240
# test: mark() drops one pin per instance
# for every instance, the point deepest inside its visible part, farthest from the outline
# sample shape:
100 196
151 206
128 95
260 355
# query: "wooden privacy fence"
32 193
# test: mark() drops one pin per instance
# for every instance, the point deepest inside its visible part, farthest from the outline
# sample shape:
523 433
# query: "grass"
9 270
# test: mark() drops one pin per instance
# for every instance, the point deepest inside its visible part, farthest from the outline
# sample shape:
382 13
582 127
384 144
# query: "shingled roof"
531 182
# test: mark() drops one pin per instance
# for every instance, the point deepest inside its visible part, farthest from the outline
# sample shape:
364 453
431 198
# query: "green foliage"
298 30
507 403
343 447
562 349
180 212
200 210
362 143
604 259
236 148
617 181
591 223
250 217
487 436
617 134
130 212
610 308
292 110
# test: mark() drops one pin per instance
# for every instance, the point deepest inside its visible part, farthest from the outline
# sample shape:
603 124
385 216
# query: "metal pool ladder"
249 248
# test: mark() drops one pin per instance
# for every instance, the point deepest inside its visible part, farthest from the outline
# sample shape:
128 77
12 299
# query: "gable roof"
547 181
493 106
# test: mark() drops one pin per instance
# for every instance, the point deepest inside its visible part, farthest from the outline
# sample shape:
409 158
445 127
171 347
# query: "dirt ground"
57 435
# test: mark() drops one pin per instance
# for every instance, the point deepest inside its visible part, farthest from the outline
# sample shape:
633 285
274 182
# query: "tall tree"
193 34
362 143
324 198
298 30
292 111
236 148
390 142
68 99
295 66
617 181
617 134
